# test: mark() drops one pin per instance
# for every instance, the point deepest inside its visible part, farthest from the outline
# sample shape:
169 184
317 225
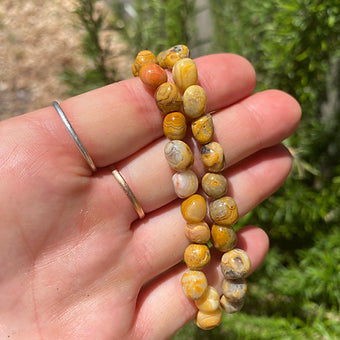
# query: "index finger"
115 121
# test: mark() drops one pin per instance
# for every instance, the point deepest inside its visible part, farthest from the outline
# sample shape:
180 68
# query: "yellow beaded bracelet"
183 102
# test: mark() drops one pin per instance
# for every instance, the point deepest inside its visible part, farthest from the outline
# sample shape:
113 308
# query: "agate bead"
223 237
203 129
194 284
196 256
223 211
168 97
168 58
152 75
213 157
179 155
185 183
214 185
194 101
208 320
143 58
198 232
194 208
184 73
235 264
175 125
210 301
231 307
234 290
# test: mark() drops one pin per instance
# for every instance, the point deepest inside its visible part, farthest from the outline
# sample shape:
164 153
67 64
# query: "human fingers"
117 120
257 122
159 242
163 303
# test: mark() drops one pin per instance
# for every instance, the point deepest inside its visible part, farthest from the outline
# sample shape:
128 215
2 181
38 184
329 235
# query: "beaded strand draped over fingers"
185 94
75 260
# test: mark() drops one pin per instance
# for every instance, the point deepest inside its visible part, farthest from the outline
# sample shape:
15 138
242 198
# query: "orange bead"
194 208
152 75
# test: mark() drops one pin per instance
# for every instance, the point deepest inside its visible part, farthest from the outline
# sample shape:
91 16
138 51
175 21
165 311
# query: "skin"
76 262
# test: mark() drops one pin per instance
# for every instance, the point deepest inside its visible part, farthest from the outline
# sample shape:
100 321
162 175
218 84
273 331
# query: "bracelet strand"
183 104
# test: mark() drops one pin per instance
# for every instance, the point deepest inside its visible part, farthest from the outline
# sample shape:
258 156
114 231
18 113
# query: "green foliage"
155 25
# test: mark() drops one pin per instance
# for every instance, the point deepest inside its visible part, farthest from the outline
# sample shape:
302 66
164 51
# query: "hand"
76 262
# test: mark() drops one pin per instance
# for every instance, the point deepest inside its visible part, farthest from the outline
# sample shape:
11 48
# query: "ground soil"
38 39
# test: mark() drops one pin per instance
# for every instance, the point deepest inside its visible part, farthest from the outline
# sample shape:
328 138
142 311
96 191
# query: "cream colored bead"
179 155
235 264
231 307
206 321
185 183
194 101
184 73
210 301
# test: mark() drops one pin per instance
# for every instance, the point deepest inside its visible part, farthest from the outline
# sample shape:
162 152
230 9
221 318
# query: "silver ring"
120 179
74 136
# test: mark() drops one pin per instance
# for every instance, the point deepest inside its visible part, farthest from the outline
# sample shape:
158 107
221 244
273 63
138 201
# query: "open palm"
76 262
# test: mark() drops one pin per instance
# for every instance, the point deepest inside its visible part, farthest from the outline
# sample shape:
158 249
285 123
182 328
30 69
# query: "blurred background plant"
294 46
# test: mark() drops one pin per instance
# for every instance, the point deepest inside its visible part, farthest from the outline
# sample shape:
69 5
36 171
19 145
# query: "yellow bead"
203 129
213 157
194 284
208 320
168 58
194 101
196 256
234 290
235 264
168 98
184 73
194 208
223 237
214 185
179 155
175 125
210 301
223 211
198 232
185 183
143 58
231 307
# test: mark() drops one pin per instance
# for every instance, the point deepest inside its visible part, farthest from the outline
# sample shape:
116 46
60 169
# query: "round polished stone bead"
179 155
210 301
175 125
223 211
214 185
213 157
234 290
196 256
223 237
143 58
194 284
194 208
208 320
152 75
168 58
231 307
185 183
197 232
203 129
194 101
184 73
235 264
168 98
